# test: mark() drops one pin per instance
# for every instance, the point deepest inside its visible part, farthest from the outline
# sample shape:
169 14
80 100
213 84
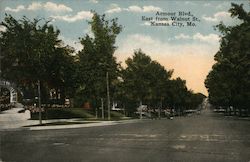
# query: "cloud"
35 6
2 28
134 9
48 6
79 16
182 36
114 8
17 9
210 38
93 1
142 9
153 45
217 17
142 38
191 61
151 9
57 7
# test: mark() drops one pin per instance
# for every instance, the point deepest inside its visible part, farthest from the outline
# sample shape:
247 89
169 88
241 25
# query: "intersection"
204 137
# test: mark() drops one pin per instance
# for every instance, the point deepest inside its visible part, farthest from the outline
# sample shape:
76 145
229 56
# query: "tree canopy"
97 58
146 81
228 82
31 51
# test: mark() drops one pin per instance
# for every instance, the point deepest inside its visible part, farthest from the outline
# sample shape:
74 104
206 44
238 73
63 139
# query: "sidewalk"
11 119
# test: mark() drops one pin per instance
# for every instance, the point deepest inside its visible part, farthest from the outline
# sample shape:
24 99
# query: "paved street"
206 137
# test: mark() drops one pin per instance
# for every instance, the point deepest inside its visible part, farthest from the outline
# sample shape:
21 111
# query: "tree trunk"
226 112
240 112
234 108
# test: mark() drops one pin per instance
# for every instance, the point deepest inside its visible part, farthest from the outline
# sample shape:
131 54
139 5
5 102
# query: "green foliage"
97 58
228 83
64 113
31 51
147 81
69 113
144 78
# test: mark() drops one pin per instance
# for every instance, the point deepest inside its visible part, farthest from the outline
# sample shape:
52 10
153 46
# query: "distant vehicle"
117 109
220 110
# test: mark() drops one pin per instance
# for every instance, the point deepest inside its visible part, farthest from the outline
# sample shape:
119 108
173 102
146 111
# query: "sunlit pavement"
206 137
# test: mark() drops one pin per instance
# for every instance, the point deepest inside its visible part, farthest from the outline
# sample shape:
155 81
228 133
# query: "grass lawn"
69 113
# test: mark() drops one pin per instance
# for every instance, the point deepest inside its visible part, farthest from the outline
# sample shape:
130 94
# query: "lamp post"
39 102
107 88
32 32
102 109
0 64
108 98
0 69
159 109
140 109
39 93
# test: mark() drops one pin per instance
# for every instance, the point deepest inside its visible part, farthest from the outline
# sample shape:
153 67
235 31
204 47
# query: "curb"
97 124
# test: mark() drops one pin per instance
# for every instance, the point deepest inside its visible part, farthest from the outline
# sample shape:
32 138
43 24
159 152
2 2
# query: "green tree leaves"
228 83
97 58
31 51
147 81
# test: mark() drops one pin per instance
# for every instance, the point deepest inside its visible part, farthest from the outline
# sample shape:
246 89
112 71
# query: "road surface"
205 137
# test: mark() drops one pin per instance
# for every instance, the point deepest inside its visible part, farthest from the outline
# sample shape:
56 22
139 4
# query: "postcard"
124 80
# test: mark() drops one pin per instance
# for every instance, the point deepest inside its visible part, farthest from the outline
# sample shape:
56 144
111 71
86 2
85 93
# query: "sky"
189 50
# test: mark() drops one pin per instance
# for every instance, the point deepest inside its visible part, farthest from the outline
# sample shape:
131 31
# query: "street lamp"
108 98
107 87
39 102
0 64
102 108
32 33
159 109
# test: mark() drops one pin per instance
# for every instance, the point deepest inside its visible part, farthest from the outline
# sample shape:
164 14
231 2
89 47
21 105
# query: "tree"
97 59
148 82
31 51
228 83
177 93
144 79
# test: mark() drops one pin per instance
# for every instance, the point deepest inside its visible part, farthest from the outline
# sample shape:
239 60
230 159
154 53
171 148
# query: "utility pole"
108 98
96 112
159 110
140 109
0 65
102 108
39 102
0 69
